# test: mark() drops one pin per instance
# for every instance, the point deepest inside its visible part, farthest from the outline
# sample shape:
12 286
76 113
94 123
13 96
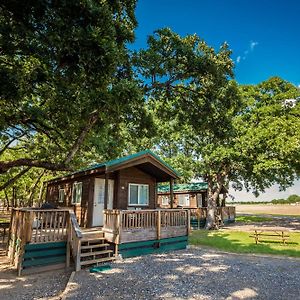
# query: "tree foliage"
66 80
210 127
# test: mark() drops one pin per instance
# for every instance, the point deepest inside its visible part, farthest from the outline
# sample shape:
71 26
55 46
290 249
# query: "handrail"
74 240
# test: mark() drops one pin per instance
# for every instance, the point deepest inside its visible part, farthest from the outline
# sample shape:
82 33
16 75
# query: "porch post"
106 191
171 192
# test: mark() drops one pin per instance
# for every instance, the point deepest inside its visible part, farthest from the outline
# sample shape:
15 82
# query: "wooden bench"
270 235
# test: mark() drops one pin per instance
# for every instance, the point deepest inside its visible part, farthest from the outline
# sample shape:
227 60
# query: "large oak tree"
66 82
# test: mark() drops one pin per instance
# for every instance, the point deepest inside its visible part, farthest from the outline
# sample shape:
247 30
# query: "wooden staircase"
94 249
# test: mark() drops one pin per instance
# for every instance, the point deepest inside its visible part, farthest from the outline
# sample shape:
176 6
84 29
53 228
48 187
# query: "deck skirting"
153 246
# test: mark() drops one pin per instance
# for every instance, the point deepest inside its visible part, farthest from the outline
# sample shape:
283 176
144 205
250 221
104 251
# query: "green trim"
45 245
151 247
44 261
184 187
45 253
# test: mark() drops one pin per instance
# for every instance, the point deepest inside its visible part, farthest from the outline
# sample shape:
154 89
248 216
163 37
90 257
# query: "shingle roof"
184 187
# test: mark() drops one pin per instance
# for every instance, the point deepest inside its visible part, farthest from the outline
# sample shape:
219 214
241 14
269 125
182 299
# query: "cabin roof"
183 187
145 160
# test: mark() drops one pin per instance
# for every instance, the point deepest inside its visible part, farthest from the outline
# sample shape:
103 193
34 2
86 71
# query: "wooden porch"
44 239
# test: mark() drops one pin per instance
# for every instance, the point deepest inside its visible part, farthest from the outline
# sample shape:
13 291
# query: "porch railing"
123 226
37 226
224 214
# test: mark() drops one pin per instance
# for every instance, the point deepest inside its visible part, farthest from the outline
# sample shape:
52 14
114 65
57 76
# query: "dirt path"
279 209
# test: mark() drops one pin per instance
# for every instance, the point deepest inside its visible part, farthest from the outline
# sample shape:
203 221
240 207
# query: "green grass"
251 219
240 242
4 220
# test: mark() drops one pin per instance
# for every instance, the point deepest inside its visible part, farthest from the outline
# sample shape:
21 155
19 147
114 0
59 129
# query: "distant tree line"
289 200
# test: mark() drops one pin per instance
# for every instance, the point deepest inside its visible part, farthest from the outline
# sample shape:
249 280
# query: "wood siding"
81 210
193 200
133 175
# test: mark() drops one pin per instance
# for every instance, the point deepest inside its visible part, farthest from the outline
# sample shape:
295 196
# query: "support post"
189 222
171 192
158 224
69 232
106 191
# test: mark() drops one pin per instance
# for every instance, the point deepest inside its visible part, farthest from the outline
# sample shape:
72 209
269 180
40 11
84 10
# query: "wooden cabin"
101 211
193 196
128 183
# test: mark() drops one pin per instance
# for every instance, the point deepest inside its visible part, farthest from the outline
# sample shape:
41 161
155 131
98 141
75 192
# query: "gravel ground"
192 274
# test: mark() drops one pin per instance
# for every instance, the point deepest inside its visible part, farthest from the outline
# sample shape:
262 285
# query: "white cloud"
253 45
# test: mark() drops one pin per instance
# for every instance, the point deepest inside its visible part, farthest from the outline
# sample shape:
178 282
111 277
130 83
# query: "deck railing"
224 214
37 226
74 240
123 226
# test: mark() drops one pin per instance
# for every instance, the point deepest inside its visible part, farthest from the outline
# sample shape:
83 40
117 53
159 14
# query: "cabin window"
165 200
184 200
138 194
77 193
61 195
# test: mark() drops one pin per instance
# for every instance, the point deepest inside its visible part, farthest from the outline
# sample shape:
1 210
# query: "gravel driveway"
192 274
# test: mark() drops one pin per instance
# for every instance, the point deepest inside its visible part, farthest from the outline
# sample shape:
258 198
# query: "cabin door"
99 191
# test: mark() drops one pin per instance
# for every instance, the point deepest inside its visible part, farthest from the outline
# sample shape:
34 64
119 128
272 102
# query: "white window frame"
61 195
138 185
186 199
165 200
75 184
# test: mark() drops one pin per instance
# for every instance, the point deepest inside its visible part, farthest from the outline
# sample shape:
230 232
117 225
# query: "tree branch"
14 179
6 165
91 122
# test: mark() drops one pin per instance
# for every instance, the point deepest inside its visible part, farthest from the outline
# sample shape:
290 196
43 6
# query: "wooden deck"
43 238
124 226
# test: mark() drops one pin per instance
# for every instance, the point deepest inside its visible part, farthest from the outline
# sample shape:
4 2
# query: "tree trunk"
211 218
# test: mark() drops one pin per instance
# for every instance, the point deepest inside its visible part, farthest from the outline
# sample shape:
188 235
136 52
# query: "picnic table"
270 235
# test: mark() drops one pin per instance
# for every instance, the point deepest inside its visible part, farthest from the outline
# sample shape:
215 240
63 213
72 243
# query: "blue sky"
264 35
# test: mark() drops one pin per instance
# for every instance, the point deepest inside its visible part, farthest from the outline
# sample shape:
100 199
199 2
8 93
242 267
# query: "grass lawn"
4 220
240 242
252 219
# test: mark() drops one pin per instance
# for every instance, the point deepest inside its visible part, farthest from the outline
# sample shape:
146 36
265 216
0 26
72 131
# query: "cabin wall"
83 210
133 175
194 200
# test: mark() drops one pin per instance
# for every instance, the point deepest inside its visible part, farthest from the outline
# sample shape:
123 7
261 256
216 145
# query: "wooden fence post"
158 224
69 232
188 222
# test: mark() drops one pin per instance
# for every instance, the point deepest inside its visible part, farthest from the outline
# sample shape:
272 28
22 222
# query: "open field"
268 209
241 242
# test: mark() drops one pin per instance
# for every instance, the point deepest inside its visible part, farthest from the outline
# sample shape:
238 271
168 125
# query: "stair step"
86 254
92 240
92 236
98 260
94 246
